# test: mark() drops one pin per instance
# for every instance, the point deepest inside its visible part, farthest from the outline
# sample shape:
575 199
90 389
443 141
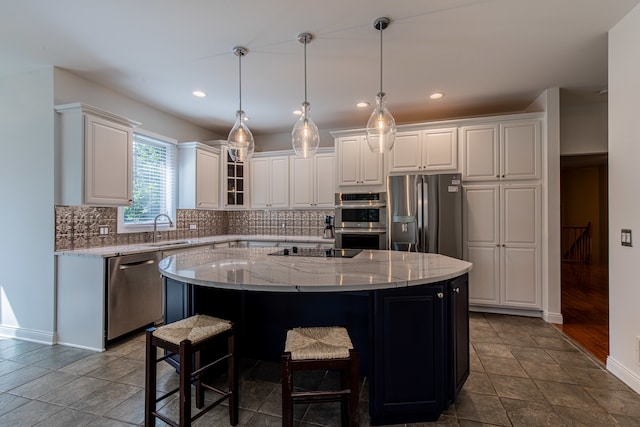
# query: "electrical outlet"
625 237
193 226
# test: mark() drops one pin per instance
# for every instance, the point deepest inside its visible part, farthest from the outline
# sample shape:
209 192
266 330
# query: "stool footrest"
209 407
215 362
165 419
316 396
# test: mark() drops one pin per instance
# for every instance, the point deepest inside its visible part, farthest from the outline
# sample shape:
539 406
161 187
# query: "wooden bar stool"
325 348
187 338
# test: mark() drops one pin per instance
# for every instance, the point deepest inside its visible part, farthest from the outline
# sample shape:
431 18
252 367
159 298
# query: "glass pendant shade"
381 127
240 140
241 145
305 137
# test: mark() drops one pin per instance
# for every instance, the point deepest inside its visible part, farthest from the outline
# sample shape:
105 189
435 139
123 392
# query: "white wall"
69 88
27 171
282 141
549 102
584 126
624 199
26 185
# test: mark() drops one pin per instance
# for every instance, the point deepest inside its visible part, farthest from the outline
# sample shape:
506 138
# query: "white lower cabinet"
502 239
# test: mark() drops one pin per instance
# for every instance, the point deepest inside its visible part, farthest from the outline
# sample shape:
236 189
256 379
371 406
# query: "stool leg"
354 397
345 400
185 383
232 374
150 380
287 389
198 380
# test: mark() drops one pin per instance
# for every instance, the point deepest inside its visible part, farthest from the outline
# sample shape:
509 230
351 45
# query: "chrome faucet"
155 225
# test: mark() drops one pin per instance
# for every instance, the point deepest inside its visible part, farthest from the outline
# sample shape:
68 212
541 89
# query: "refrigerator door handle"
420 200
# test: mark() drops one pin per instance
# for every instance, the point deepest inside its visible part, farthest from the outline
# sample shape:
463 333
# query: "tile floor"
523 373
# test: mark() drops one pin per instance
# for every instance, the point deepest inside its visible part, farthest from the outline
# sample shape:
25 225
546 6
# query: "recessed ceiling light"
297 112
199 93
437 95
363 104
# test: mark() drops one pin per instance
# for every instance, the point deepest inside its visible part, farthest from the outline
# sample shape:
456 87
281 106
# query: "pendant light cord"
305 68
240 80
381 29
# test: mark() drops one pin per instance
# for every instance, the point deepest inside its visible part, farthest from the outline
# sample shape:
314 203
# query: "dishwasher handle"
136 264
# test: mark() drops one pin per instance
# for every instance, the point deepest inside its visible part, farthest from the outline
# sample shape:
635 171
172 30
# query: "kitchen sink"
170 243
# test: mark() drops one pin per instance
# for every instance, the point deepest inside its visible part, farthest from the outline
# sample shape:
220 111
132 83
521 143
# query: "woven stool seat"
195 329
318 343
321 348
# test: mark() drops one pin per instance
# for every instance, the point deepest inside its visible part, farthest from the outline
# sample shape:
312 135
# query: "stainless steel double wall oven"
361 220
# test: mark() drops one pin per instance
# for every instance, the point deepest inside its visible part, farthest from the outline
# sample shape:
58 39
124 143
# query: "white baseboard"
552 317
82 347
505 310
23 334
624 374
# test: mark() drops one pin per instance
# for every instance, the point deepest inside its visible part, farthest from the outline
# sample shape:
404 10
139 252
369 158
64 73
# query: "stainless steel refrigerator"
425 214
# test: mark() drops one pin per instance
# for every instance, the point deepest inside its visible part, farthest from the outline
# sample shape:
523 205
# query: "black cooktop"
318 253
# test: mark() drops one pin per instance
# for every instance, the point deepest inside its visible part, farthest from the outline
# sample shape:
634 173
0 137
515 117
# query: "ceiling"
487 56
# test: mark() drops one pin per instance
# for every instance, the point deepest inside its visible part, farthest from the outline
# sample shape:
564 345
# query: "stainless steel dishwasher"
134 293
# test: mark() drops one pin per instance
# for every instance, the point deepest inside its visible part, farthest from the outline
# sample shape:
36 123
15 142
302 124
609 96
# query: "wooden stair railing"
576 244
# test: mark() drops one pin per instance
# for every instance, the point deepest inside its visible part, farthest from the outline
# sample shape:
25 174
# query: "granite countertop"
254 269
109 251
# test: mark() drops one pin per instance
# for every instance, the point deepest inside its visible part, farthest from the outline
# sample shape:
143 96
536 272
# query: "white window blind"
154 181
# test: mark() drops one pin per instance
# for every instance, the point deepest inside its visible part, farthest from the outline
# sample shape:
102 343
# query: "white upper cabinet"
312 183
509 150
480 152
269 182
233 178
96 156
357 164
521 149
425 150
199 176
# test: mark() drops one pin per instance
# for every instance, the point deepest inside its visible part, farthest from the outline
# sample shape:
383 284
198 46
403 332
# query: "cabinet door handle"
440 295
456 290
135 264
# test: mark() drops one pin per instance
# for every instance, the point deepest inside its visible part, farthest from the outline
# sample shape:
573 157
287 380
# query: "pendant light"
304 137
241 145
381 127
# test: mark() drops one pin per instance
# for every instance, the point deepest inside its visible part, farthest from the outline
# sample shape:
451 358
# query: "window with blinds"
154 182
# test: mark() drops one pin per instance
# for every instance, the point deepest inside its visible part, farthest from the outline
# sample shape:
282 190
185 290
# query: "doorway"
585 252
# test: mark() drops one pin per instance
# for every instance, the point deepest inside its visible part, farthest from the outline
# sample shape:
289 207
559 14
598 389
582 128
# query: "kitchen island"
407 314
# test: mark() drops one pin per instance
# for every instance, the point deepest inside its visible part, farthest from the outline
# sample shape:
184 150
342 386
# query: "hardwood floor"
585 306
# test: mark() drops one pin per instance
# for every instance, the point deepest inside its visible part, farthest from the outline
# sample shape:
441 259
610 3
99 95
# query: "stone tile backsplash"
79 226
